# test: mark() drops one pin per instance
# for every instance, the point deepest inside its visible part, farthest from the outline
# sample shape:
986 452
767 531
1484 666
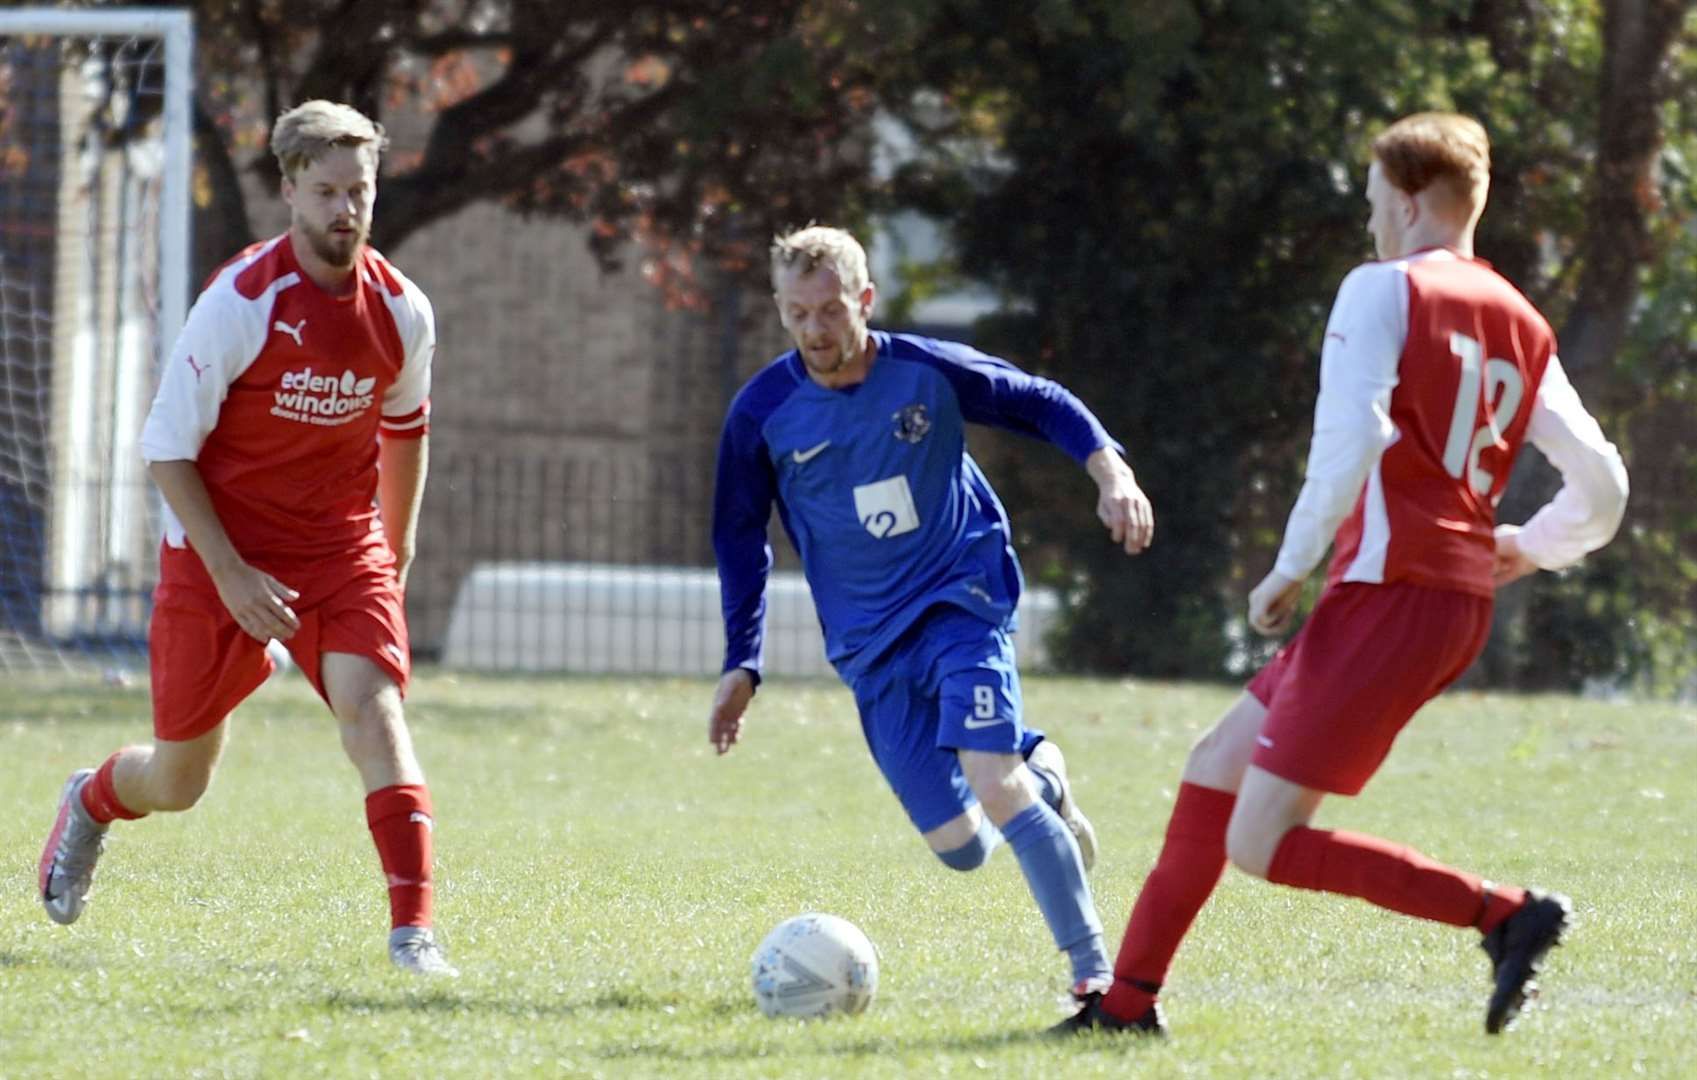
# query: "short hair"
310 130
809 248
1448 150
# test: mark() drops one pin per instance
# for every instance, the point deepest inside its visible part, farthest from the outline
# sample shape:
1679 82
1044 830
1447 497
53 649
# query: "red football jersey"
278 391
1474 353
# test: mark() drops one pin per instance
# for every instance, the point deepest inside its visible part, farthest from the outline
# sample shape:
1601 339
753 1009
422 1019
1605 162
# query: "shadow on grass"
872 1045
448 998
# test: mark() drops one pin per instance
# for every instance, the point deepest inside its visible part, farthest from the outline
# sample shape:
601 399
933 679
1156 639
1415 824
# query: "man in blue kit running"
858 436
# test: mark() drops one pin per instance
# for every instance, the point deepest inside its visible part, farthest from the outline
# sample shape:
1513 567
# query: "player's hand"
1511 563
258 602
730 701
403 566
1121 505
1272 604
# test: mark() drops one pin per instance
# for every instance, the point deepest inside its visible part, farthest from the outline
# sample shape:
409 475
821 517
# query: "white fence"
595 618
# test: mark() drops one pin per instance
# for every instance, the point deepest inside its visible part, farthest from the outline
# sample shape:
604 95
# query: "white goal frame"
87 403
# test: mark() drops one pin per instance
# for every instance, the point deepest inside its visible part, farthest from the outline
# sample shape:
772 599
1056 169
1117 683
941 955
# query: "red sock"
1191 862
1391 876
400 822
100 798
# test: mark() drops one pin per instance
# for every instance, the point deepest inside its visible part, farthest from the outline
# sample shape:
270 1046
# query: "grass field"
603 880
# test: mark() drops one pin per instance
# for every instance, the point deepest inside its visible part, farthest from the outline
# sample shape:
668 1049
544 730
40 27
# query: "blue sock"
972 854
1048 856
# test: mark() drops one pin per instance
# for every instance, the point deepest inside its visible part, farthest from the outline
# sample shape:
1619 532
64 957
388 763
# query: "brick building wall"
574 417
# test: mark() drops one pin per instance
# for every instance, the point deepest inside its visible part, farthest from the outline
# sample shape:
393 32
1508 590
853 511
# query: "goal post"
95 160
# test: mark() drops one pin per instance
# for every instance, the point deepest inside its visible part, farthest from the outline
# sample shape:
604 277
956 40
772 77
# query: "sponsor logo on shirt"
327 400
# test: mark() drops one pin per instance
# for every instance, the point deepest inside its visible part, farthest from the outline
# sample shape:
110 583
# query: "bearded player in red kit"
1433 373
288 439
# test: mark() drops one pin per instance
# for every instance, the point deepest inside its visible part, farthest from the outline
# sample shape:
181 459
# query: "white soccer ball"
815 965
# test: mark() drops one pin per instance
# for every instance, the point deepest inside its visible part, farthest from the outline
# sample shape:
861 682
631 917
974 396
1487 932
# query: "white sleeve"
1587 510
218 342
406 405
1352 415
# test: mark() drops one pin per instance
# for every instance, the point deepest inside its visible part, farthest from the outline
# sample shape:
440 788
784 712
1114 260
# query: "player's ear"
867 295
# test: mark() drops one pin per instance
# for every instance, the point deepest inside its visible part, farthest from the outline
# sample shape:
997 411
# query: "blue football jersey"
875 489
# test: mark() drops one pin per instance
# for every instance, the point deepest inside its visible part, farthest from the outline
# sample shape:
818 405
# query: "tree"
695 126
1171 191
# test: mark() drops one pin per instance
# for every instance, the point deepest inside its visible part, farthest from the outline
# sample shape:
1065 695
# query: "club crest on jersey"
912 422
326 400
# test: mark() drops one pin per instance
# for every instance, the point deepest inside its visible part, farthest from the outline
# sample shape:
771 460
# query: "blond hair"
815 246
1445 151
310 130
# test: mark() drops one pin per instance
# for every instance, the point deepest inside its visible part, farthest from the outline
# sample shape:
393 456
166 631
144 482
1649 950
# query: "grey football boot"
73 847
414 949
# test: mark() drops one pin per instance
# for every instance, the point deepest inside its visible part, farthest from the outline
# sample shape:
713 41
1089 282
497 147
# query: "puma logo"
292 331
198 370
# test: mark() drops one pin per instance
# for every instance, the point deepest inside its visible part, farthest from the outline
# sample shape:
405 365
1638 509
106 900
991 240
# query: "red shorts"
1340 691
203 664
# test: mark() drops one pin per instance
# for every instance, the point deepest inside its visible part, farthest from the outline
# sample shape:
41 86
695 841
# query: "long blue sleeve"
875 488
994 392
744 489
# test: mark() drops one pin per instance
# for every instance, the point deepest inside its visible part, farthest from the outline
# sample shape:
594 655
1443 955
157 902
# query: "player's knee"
373 730
975 852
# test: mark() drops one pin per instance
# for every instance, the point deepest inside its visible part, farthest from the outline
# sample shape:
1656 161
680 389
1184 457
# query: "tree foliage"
694 126
1170 191
1166 192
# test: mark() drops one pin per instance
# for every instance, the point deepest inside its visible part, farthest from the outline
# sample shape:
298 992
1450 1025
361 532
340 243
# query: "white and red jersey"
279 390
1433 373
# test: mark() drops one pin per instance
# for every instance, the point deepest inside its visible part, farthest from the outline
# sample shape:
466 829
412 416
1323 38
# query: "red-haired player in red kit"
1433 372
288 439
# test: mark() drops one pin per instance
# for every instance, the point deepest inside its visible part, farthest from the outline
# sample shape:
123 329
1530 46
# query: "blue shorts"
948 683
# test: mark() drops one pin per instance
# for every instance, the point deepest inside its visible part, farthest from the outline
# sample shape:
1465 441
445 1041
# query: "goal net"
94 229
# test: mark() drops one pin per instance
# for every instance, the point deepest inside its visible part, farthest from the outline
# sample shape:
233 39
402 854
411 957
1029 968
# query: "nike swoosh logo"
973 725
802 457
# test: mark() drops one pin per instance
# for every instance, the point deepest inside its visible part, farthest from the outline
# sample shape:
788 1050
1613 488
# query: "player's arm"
1586 512
403 455
1352 428
218 341
994 392
743 492
257 601
402 466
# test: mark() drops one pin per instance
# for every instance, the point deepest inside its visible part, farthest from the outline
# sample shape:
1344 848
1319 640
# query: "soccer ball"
815 965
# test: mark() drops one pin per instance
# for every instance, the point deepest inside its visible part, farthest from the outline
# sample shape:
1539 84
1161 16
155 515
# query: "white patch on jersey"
1369 562
886 507
292 331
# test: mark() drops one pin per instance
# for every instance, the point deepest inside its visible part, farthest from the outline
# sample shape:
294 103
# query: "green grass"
603 880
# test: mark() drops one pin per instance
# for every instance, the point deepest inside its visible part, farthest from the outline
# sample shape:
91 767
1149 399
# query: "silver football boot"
414 949
73 847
